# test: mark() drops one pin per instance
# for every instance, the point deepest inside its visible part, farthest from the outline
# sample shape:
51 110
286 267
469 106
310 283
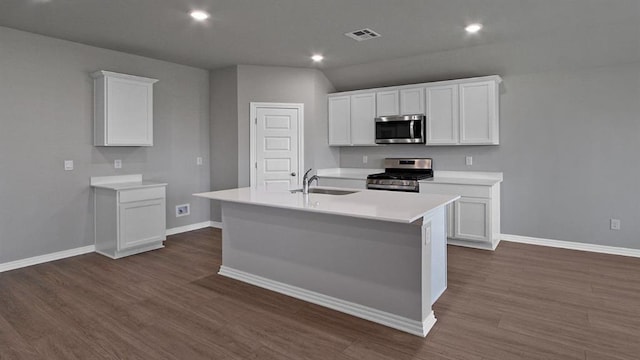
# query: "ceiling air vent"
364 34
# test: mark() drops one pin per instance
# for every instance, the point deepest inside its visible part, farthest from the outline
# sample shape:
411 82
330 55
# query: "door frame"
253 120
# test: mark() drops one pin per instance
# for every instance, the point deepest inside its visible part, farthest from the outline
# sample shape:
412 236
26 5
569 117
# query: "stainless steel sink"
326 191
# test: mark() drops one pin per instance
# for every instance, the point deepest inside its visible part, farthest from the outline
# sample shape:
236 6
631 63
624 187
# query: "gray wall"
569 131
232 91
289 85
46 116
224 132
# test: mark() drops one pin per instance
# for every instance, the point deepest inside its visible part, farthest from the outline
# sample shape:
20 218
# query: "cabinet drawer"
479 191
142 194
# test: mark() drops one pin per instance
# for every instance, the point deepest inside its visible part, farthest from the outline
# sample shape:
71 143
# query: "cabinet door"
478 113
472 219
387 103
363 113
442 105
141 222
412 101
340 120
129 112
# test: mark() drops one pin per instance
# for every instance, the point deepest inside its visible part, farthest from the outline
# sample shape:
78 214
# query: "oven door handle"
411 131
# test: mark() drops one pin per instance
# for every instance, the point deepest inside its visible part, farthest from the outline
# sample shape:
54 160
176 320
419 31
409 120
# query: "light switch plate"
199 160
469 160
68 165
117 164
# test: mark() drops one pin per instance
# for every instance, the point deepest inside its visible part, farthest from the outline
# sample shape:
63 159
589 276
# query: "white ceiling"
287 32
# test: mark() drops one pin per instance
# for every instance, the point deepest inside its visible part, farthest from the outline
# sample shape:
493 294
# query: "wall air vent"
364 34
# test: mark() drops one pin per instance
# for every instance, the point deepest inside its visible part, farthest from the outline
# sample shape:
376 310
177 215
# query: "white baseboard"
12 265
572 245
191 227
381 317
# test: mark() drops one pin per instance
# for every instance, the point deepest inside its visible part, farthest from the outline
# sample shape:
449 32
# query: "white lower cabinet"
474 219
129 220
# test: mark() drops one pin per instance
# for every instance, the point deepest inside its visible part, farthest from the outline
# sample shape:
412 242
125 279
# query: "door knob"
293 174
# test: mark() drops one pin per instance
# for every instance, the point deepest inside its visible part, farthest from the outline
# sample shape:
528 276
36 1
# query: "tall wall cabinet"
123 109
458 112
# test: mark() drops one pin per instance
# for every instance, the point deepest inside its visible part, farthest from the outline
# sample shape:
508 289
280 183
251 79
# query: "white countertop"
401 207
347 173
439 176
123 182
464 177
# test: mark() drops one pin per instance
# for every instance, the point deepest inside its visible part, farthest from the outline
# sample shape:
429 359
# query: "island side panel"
437 235
373 263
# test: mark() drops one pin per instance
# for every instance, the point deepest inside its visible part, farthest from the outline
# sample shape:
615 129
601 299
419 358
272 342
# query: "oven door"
407 129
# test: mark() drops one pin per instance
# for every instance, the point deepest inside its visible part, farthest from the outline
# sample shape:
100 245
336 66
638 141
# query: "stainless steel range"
401 174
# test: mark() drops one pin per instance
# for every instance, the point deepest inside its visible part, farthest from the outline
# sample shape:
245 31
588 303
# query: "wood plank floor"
520 302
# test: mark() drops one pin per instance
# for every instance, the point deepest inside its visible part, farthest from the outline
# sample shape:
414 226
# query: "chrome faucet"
306 181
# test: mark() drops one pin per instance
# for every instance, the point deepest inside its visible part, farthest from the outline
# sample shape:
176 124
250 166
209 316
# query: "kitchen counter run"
439 176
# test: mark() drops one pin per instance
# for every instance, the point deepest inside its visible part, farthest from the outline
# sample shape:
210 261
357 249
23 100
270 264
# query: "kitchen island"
377 255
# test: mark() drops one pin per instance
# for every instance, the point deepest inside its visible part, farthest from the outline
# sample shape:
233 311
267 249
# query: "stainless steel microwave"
400 129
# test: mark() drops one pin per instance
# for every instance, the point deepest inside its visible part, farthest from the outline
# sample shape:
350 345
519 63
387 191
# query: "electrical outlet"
68 165
469 160
615 224
199 160
365 159
117 164
183 210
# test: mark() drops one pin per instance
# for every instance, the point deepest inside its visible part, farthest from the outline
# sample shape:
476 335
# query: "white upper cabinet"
340 120
442 115
412 101
479 113
352 119
363 113
458 112
387 103
123 109
464 113
400 102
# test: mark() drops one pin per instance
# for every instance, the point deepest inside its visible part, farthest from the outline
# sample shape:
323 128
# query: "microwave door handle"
411 132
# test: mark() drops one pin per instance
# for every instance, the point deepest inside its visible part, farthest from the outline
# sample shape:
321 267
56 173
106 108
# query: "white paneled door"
276 145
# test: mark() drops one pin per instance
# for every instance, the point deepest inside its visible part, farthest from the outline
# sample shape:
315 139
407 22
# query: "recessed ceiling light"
473 28
317 58
199 15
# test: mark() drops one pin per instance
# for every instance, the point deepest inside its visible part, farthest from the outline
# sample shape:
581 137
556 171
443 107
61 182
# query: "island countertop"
400 207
